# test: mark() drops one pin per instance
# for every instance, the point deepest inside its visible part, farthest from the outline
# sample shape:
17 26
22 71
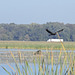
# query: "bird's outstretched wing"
49 31
60 30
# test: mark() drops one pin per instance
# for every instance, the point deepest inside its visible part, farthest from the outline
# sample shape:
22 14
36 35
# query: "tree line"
36 32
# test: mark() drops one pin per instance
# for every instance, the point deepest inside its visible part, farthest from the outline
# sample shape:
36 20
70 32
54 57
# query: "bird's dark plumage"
52 32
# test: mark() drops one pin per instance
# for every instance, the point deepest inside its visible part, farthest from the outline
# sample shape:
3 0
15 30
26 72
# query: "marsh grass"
43 67
36 45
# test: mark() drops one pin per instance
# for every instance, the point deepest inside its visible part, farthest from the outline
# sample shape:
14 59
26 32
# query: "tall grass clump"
41 66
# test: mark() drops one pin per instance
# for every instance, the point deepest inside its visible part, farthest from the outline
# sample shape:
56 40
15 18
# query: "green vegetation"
44 68
43 45
36 32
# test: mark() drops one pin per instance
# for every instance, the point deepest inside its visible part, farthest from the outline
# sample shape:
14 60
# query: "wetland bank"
21 56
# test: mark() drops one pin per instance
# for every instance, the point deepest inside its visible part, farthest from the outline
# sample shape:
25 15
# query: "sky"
37 11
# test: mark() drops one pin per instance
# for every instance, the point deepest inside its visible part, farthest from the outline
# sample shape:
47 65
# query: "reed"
24 68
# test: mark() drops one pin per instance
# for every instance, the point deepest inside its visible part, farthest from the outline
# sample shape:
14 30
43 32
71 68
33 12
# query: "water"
5 54
34 50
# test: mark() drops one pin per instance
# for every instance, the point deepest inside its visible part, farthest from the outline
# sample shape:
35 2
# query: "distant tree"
26 38
36 32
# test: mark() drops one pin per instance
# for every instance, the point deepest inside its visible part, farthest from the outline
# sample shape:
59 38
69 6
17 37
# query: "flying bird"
51 33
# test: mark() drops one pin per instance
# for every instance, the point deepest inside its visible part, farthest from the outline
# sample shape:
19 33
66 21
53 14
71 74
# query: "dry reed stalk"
52 61
11 67
19 54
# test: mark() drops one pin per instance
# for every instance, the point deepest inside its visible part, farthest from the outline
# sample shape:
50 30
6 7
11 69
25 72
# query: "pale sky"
37 11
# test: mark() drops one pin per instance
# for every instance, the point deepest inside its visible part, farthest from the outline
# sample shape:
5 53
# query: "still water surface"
34 50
